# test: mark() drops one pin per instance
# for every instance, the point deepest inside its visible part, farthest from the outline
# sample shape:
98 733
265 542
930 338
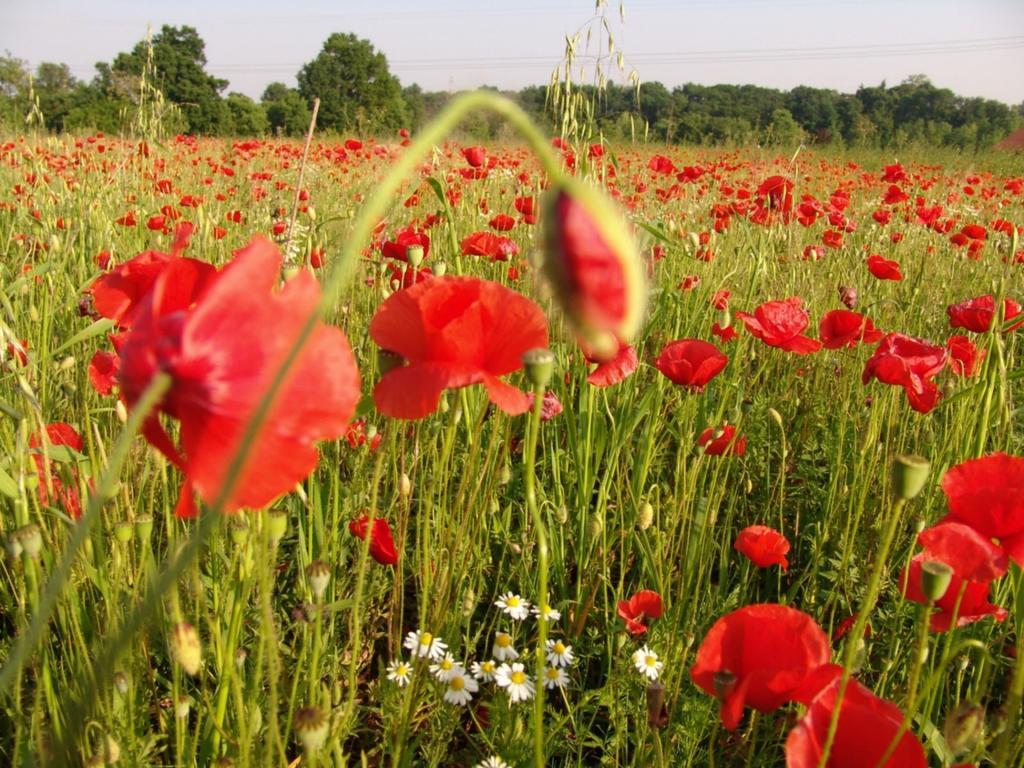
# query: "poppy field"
412 452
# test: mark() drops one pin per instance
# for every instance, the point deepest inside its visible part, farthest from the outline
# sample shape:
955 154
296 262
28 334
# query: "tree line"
162 84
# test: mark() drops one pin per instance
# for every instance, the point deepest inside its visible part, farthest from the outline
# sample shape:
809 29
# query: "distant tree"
357 91
783 130
54 86
415 105
179 60
286 110
14 76
816 111
247 117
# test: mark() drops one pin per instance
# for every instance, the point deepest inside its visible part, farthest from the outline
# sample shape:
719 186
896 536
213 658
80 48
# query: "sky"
974 47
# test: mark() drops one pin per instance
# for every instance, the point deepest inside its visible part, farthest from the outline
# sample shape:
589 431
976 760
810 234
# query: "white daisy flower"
550 613
444 669
424 645
646 662
503 650
514 606
484 670
492 762
399 672
515 681
461 688
555 677
560 654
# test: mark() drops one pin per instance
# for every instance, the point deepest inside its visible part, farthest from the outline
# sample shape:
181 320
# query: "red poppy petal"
411 392
615 370
511 400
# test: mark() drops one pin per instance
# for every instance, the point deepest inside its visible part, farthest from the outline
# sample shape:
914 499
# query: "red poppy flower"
103 371
119 293
909 363
970 554
691 362
399 247
58 434
222 352
595 267
762 656
382 545
475 156
776 194
763 546
614 370
722 441
867 725
988 495
453 332
502 222
964 358
780 324
644 605
842 328
976 314
884 269
550 406
488 244
726 334
967 600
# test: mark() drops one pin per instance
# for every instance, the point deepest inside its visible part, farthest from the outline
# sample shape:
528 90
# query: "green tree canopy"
356 90
286 109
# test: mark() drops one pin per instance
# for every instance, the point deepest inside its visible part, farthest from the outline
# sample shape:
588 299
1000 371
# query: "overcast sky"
974 47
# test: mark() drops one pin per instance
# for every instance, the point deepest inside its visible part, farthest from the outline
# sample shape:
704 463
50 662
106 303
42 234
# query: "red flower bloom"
594 267
972 597
841 328
726 334
453 332
867 724
644 605
988 495
222 352
909 363
780 324
691 362
103 371
475 156
884 269
614 370
722 441
976 314
382 545
763 546
398 248
776 194
48 470
762 656
502 222
964 358
550 406
488 244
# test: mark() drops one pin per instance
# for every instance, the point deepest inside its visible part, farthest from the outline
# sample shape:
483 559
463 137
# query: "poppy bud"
240 656
319 575
645 518
121 682
185 647
121 411
277 525
67 363
144 527
31 539
963 727
935 578
848 295
539 363
182 706
724 682
596 526
657 713
310 728
111 750
404 485
123 531
562 514
414 255
909 474
694 240
238 530
593 263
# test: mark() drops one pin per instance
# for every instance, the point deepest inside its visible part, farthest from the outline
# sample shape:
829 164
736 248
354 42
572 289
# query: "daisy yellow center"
504 641
426 638
518 677
447 664
650 661
456 683
512 602
558 647
401 670
487 666
552 673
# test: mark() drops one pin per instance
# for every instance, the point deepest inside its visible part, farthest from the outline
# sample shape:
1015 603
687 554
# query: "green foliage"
286 109
247 117
356 90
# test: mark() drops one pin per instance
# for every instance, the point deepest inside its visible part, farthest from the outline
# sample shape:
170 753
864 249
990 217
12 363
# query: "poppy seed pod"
594 266
310 728
277 525
319 575
185 647
414 255
539 364
935 579
909 474
963 727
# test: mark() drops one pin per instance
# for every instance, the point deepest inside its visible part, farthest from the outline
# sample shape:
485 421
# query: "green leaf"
7 485
61 453
100 326
365 407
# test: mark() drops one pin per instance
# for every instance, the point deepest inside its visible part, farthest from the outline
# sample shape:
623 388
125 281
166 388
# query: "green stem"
530 458
1013 701
912 685
857 633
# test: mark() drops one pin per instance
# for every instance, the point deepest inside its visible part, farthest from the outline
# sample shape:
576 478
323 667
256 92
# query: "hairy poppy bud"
539 363
185 647
594 266
963 727
319 575
935 578
182 706
144 527
645 518
277 525
121 682
310 728
909 474
31 539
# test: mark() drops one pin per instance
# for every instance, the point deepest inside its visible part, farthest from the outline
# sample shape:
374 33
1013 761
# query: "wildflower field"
410 452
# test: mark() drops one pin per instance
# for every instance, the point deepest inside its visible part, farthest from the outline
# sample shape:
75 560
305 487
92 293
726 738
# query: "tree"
286 109
356 90
14 75
179 61
247 117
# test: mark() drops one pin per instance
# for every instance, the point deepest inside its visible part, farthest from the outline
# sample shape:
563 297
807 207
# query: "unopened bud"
310 728
964 727
31 539
121 683
185 647
319 575
404 485
539 364
182 705
121 411
67 363
935 578
909 474
240 656
645 517
277 525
